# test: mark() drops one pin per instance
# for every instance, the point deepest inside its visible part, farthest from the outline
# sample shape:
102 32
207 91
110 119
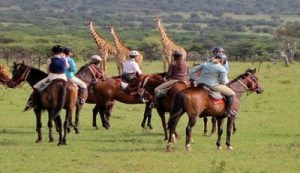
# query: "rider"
213 74
131 70
178 71
96 61
219 50
57 66
70 72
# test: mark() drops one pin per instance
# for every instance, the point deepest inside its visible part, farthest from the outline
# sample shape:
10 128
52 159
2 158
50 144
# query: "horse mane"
37 71
240 76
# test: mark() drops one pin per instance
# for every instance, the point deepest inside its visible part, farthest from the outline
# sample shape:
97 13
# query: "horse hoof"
188 147
77 132
169 147
230 148
219 148
174 138
51 140
205 134
150 126
143 125
38 141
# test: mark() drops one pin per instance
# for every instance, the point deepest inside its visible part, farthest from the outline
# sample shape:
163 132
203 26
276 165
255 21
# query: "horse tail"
177 110
61 98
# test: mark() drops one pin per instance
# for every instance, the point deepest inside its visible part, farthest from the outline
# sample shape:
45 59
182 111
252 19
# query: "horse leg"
214 125
95 112
77 113
38 114
147 115
230 121
205 126
58 125
234 127
188 131
163 123
50 125
220 131
107 112
105 123
173 120
66 125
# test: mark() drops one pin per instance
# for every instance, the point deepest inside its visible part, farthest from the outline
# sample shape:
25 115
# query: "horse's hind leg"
214 125
38 125
220 131
147 116
77 114
66 126
234 127
191 124
58 124
50 125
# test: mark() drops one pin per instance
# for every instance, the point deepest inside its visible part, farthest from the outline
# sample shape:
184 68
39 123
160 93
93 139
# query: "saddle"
216 97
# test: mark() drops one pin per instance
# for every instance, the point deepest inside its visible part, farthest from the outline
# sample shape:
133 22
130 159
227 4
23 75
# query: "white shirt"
130 66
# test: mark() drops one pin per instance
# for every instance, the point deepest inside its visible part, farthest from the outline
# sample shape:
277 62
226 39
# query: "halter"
254 80
23 77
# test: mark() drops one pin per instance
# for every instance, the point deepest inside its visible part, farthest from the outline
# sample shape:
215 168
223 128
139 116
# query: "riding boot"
81 93
32 100
228 104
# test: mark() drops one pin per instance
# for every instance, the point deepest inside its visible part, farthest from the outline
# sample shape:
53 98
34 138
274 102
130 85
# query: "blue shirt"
70 72
57 65
211 73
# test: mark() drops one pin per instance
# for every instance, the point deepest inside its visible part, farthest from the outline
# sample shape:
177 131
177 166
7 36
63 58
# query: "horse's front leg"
107 112
66 125
147 115
230 121
38 114
214 125
234 127
50 126
95 112
188 131
205 126
77 114
220 131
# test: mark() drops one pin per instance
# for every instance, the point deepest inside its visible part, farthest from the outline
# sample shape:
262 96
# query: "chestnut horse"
109 90
4 75
197 102
59 94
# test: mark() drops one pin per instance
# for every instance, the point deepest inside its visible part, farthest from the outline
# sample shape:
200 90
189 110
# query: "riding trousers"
223 89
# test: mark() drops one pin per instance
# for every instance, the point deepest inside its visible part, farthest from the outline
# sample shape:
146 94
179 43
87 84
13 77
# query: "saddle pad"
217 101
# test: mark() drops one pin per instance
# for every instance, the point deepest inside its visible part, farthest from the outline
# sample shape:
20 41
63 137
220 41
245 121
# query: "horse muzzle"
259 90
11 84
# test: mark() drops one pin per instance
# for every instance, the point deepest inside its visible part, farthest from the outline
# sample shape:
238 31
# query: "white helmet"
96 57
134 53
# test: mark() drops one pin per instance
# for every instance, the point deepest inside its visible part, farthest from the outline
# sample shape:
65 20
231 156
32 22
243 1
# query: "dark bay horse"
197 103
59 94
4 75
109 90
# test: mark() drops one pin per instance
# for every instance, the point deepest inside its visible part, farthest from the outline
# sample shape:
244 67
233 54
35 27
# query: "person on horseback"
220 51
57 66
213 75
178 71
70 72
95 59
131 71
95 63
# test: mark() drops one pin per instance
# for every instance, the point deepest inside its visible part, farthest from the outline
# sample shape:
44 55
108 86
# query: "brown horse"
196 102
59 94
4 75
109 90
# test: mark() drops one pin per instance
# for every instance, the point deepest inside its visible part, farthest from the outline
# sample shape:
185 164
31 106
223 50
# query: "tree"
289 36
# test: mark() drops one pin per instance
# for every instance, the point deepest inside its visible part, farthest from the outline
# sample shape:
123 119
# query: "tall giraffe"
122 50
168 45
105 48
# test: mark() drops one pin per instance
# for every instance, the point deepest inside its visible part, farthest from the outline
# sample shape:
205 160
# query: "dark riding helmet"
217 49
57 49
176 54
67 50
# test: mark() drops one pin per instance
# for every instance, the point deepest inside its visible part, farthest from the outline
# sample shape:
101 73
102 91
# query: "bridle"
23 77
252 80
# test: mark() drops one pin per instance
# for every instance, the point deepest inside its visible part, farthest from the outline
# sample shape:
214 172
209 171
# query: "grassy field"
267 140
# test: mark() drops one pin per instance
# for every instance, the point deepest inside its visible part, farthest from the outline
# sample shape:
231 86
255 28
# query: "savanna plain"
267 139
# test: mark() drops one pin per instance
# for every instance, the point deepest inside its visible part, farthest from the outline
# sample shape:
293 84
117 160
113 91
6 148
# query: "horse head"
20 72
251 81
4 75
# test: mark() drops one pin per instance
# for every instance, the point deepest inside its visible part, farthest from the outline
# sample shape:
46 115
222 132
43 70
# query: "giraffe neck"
99 41
165 39
120 46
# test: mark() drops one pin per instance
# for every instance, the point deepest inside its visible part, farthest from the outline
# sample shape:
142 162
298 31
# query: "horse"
196 102
4 75
59 94
106 92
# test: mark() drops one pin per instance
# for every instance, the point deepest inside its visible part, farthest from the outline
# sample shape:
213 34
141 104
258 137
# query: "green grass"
267 140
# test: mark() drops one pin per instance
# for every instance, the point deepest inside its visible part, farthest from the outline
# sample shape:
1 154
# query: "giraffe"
122 50
168 45
105 48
